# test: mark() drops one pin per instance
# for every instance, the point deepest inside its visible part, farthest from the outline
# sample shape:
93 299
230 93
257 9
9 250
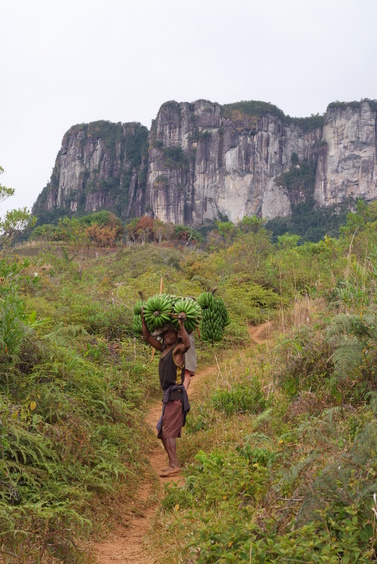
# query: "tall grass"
279 449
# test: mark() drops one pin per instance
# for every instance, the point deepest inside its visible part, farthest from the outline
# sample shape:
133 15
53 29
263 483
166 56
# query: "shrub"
174 158
112 322
306 363
13 317
254 303
242 398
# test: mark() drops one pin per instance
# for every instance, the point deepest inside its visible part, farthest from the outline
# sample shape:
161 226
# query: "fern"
259 420
340 325
291 475
347 480
348 357
353 339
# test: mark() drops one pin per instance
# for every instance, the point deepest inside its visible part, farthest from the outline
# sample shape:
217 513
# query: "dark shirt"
171 374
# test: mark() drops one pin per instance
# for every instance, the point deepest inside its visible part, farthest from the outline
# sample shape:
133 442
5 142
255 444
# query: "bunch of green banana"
192 311
205 299
172 298
157 310
223 312
214 318
137 307
136 326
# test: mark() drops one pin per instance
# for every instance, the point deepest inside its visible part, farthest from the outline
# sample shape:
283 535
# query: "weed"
241 398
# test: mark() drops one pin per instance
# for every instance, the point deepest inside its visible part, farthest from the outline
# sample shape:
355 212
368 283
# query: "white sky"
65 62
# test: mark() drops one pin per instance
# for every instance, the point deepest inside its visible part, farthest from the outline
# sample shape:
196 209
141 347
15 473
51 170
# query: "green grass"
279 448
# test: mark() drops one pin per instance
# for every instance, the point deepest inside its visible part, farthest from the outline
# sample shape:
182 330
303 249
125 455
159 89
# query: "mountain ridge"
201 161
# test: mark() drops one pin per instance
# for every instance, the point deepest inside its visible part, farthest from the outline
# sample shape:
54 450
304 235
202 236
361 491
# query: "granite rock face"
204 165
100 165
347 164
201 162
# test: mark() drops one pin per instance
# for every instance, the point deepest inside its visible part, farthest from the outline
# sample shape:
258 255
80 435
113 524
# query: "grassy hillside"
279 455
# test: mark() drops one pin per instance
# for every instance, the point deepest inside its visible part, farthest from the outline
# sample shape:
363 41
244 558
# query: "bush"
242 398
306 363
252 302
13 315
174 158
113 322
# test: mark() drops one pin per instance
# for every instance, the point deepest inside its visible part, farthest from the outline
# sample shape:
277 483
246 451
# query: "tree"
4 191
141 229
71 232
288 241
103 235
14 221
227 230
103 228
215 241
252 224
186 233
162 230
144 229
68 245
43 232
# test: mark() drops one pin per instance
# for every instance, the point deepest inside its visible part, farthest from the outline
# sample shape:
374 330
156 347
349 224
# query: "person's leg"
171 429
170 446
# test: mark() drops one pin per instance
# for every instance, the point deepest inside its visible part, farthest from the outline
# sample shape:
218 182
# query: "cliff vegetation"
258 109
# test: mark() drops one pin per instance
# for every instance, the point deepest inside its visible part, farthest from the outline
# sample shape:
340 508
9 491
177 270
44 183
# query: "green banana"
137 307
136 326
192 311
157 311
214 318
208 311
205 299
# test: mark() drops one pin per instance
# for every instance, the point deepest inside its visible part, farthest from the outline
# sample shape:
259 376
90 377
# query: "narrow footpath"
126 545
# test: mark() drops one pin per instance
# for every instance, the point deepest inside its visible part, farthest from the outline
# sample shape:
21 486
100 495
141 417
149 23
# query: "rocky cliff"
101 165
347 164
201 161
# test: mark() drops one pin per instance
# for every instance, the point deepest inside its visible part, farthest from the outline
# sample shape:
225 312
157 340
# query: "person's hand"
181 317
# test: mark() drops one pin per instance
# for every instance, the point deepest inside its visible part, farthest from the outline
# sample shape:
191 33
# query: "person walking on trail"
174 383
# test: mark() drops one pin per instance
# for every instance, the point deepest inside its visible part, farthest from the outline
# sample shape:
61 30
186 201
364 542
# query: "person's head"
170 336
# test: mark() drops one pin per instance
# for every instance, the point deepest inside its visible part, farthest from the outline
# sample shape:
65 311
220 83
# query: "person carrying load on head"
174 383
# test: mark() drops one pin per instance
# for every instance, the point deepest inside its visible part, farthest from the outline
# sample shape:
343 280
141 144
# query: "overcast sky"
65 62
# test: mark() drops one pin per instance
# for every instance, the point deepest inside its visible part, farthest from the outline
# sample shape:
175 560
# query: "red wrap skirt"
172 420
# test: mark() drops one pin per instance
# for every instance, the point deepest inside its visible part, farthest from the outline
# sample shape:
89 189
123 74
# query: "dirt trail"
126 543
259 333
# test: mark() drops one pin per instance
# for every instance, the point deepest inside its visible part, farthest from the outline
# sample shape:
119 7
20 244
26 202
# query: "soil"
126 543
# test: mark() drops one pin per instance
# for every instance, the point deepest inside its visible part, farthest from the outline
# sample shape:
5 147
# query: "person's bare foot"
170 471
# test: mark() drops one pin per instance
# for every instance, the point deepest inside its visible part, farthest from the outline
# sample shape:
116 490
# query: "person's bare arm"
187 380
148 337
